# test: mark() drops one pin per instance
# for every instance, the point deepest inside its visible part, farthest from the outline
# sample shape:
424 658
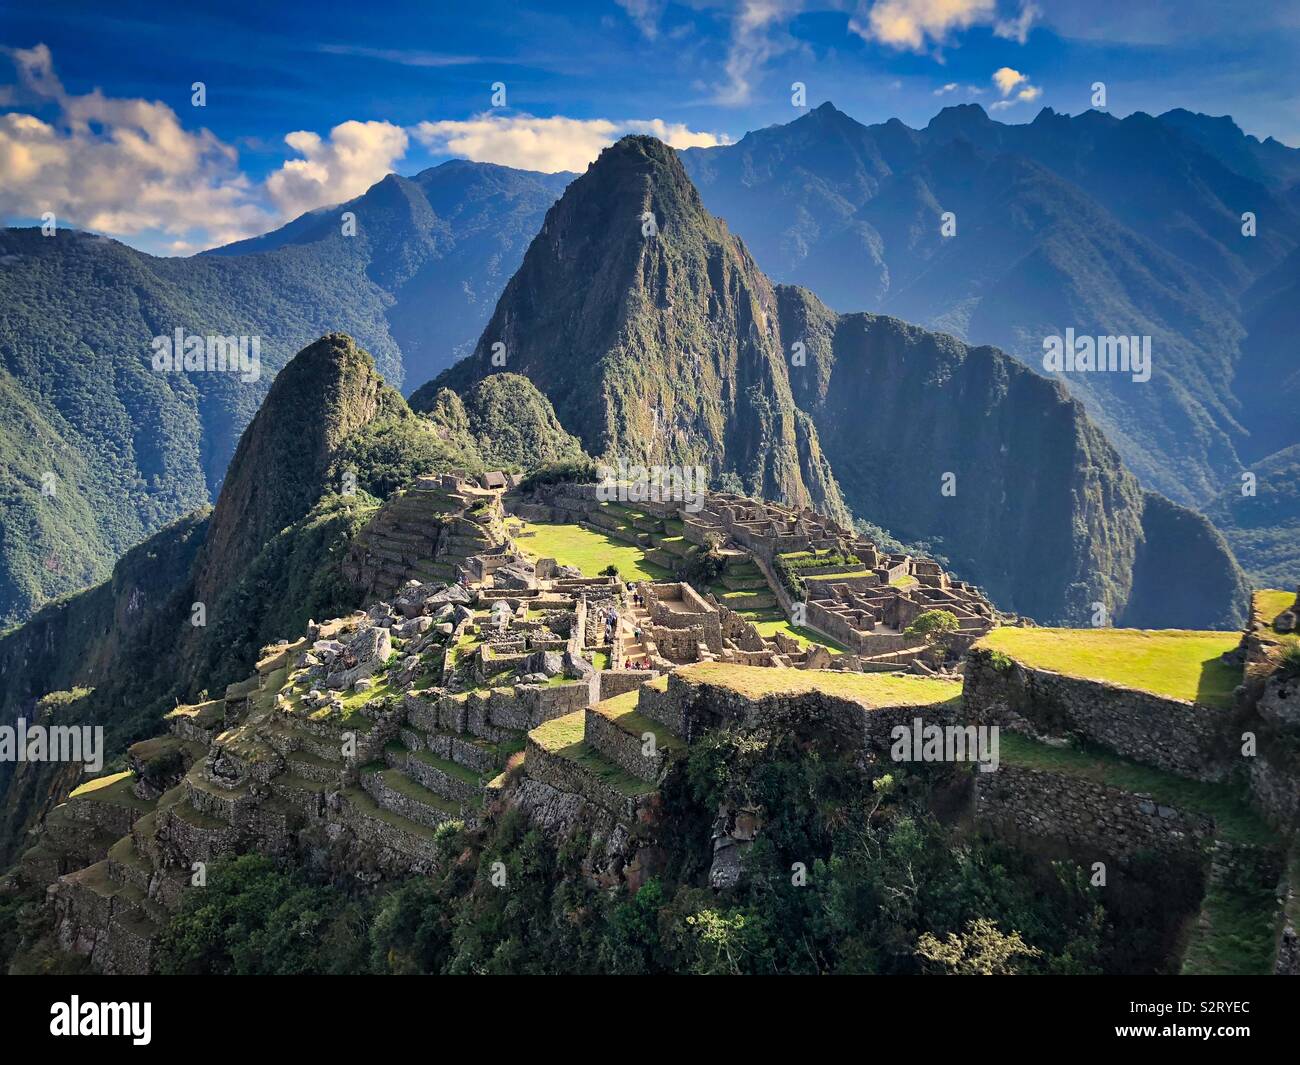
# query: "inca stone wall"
1024 804
1171 734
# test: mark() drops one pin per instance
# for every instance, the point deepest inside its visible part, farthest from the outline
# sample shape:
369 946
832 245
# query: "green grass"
1173 662
1267 605
114 788
405 786
202 715
590 552
770 622
832 577
1239 935
452 769
870 689
622 712
600 659
1235 819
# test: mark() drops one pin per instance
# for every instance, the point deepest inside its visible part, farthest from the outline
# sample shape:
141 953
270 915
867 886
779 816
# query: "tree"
982 950
932 623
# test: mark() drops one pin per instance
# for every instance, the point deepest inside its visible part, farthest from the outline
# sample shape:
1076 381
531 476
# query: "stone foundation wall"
622 748
697 708
1019 803
566 776
612 682
1171 734
418 853
105 816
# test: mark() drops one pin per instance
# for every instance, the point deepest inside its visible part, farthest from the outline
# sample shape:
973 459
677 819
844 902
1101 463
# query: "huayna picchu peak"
653 333
562 497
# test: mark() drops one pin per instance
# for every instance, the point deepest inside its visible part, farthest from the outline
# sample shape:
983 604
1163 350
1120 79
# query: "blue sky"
308 104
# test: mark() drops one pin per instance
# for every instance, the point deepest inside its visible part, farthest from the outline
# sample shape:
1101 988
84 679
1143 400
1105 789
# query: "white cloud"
1009 82
119 166
1007 79
910 24
548 144
946 89
356 155
129 169
645 14
756 36
1017 29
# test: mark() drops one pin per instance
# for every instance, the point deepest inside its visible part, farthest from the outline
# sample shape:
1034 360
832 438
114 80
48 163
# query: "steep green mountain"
329 391
652 333
1107 226
131 449
511 423
262 562
673 348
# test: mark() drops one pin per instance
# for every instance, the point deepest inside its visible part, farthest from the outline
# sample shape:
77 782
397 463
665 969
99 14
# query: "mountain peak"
960 120
323 394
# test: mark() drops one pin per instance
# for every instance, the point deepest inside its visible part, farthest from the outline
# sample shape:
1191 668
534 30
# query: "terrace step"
309 766
558 755
452 781
409 836
627 738
397 793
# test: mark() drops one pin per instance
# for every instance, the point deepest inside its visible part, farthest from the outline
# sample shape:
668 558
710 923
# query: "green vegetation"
589 551
770 622
1236 932
572 470
931 623
515 426
791 565
885 878
870 689
1172 662
252 918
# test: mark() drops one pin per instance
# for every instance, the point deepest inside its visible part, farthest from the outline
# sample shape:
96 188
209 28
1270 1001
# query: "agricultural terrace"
870 689
1177 663
589 551
770 622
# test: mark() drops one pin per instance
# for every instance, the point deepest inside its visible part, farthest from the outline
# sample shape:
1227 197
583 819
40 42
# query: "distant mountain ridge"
128 449
1110 226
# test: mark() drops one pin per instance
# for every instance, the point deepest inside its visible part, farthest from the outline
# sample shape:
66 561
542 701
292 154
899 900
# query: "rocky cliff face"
932 438
653 334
